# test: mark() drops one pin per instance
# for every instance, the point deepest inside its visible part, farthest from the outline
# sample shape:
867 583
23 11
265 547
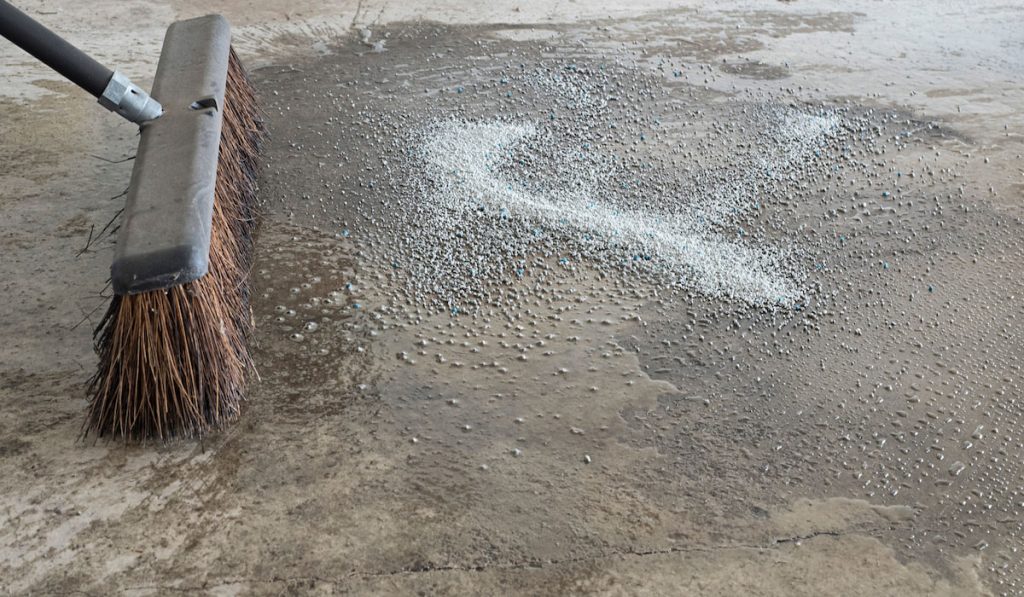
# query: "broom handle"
50 48
114 91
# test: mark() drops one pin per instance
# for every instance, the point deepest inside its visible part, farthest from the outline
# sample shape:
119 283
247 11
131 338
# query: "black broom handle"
51 49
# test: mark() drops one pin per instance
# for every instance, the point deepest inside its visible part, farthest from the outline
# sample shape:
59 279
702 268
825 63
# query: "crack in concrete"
527 565
800 538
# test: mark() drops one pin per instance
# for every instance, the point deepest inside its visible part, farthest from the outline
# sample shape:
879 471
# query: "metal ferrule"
130 101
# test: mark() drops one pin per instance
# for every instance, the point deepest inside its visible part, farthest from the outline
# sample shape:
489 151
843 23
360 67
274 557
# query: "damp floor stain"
532 373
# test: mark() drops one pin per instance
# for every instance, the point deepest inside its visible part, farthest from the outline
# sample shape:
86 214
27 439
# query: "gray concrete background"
320 487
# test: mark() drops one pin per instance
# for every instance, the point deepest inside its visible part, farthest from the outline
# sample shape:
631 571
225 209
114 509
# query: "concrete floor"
874 451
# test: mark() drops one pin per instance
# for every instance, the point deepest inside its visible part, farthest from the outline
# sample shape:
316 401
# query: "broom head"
172 346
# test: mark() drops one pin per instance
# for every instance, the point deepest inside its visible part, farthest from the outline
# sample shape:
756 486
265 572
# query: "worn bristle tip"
175 362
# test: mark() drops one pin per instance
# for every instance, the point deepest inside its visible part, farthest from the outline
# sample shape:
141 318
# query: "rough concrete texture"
575 428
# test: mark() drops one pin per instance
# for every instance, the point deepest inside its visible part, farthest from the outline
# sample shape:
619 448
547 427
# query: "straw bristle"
175 362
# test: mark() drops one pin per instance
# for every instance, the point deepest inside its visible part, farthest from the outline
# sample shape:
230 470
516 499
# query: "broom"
174 361
173 351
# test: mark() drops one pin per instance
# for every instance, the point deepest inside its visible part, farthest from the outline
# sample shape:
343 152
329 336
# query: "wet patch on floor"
524 372
307 296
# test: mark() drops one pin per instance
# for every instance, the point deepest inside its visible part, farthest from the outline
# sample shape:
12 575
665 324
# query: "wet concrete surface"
582 429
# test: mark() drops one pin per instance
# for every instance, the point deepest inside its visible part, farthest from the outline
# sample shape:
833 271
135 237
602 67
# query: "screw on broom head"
174 361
